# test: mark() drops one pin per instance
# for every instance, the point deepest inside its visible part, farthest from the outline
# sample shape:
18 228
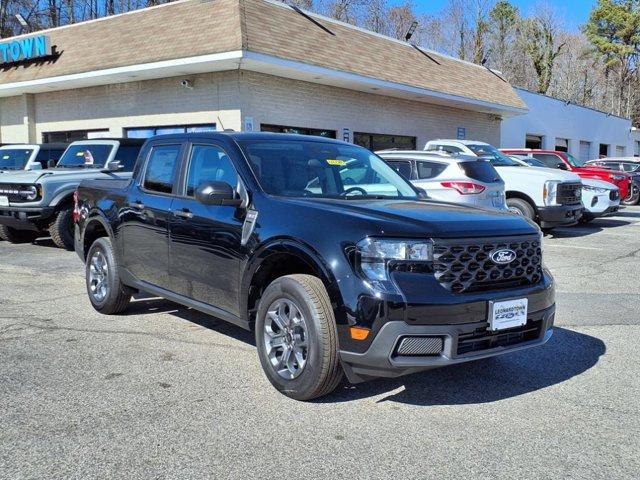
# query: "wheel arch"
278 258
522 196
95 227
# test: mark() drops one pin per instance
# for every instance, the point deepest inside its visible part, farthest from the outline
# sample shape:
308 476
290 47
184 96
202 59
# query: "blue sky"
574 12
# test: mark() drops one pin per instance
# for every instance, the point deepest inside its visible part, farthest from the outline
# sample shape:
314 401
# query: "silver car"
450 178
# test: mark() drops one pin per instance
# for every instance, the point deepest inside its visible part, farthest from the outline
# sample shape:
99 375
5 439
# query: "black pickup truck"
336 261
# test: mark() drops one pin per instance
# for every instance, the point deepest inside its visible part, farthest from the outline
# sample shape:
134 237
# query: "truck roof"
244 136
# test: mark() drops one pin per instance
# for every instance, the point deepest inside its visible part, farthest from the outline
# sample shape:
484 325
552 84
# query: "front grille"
483 339
614 195
464 266
569 193
420 346
12 191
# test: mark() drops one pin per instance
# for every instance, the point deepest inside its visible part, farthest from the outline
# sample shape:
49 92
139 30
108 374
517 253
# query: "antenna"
411 31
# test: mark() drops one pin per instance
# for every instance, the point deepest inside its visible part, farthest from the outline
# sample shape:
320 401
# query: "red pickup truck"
566 161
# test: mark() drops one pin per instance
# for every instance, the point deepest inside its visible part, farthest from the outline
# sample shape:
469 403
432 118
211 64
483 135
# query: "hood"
592 182
545 173
33 176
600 171
421 218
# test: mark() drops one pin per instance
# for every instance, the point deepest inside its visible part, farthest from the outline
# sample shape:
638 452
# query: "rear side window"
549 160
429 169
160 171
402 167
127 155
445 148
480 170
209 164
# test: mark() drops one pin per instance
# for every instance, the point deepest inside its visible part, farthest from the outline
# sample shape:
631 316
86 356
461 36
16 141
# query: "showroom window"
316 132
375 141
562 145
146 132
533 141
604 150
72 135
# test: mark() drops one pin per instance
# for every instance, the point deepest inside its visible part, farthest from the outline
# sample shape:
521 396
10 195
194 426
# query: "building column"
29 121
548 142
574 147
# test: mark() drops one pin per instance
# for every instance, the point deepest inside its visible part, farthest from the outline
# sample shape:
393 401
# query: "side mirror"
217 193
422 193
113 166
561 166
36 166
51 163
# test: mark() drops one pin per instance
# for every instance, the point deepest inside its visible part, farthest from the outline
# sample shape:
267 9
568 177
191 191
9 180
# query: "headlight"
589 188
550 192
375 254
29 193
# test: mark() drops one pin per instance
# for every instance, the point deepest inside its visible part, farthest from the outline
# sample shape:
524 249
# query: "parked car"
566 161
450 178
333 279
630 165
550 197
40 202
30 157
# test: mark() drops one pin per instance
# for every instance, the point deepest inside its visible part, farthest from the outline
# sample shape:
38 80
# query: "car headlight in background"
550 192
589 188
375 254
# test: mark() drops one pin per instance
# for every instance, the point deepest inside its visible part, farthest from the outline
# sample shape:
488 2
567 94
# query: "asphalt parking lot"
164 392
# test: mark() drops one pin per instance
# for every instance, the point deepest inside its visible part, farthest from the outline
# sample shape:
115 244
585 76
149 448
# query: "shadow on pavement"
565 356
584 229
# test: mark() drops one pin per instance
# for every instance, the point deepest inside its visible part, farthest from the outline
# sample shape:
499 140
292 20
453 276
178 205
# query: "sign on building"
25 49
462 133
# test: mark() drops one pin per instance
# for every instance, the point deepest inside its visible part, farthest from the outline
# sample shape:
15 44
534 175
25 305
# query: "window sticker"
336 163
5 157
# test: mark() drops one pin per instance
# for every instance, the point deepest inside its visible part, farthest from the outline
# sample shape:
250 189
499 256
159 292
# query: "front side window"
209 163
127 155
161 168
323 170
14 159
573 161
85 156
549 160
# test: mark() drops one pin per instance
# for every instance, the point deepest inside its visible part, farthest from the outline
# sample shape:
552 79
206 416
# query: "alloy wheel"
98 276
286 338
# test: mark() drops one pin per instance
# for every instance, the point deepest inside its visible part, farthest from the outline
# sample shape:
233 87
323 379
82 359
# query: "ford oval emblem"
504 256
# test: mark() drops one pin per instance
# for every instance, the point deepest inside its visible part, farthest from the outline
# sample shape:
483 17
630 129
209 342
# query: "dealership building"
245 65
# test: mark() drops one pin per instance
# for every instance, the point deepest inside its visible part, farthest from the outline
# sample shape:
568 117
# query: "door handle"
186 214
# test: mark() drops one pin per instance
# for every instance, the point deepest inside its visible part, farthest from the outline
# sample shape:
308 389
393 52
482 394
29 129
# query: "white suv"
450 178
553 198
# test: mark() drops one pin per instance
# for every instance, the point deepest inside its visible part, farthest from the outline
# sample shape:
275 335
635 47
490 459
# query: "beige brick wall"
213 99
14 119
280 101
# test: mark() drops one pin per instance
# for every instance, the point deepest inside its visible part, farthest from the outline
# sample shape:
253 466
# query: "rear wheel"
106 292
61 230
521 207
297 338
14 235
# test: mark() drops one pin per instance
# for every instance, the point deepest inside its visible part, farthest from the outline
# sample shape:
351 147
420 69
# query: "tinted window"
14 159
549 160
445 148
127 155
429 169
209 164
375 141
403 168
480 170
86 156
298 130
160 172
323 170
630 167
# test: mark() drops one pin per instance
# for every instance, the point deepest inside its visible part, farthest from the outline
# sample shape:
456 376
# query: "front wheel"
106 292
13 235
521 207
297 339
634 195
61 230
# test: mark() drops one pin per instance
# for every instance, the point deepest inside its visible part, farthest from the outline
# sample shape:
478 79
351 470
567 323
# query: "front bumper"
26 218
460 343
559 216
608 211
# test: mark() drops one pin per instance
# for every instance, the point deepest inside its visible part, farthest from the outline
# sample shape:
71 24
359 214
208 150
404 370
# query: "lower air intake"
419 346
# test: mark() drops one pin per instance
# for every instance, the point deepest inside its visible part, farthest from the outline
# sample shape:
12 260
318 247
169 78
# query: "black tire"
522 207
13 235
321 372
634 195
116 298
61 230
584 220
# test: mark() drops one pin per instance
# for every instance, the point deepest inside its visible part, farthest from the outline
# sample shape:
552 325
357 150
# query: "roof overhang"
251 61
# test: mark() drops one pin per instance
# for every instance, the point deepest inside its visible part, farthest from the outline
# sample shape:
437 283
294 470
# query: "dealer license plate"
508 314
4 201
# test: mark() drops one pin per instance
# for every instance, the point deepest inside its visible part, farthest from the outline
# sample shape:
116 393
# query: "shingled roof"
192 28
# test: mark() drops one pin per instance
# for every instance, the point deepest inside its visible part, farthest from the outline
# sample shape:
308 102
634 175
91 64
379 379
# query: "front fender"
89 225
62 193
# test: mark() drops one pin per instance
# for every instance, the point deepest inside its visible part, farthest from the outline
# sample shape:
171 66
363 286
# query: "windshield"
574 161
495 156
323 170
14 159
88 156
